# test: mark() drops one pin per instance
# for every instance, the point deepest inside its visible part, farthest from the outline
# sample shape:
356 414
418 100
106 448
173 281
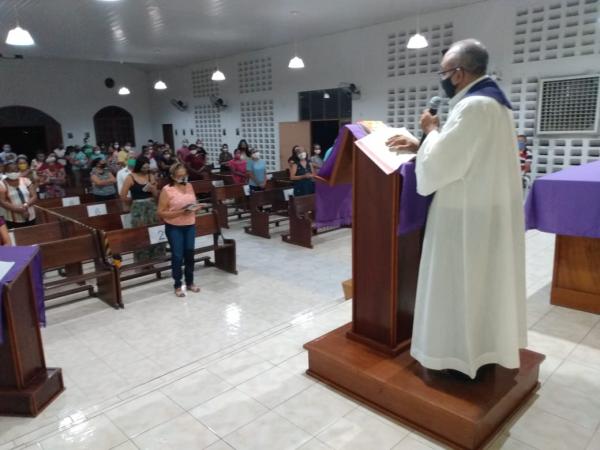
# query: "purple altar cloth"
21 257
566 202
333 204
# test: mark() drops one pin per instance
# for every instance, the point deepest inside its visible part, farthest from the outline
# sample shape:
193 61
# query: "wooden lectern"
369 358
26 385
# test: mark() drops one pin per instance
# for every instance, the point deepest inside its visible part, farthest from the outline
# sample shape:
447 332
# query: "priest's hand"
429 122
403 144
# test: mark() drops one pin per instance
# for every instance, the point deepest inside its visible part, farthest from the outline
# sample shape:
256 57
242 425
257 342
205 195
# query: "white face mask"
59 152
256 155
12 175
193 152
116 146
183 180
51 160
6 148
317 151
302 155
97 152
127 147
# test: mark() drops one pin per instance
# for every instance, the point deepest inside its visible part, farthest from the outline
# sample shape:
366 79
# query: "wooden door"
290 134
167 130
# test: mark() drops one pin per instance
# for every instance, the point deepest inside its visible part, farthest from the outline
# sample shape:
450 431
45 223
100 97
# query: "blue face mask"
522 145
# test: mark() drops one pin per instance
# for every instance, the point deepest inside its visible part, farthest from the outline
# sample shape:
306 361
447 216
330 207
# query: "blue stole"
489 88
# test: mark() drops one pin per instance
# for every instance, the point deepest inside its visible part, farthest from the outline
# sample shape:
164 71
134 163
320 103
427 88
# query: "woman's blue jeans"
181 240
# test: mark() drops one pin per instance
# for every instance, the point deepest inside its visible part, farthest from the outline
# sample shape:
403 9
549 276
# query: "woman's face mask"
59 153
13 176
23 166
194 152
317 151
302 155
256 155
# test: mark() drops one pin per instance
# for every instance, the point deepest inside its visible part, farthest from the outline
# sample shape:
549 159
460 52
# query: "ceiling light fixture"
160 85
417 41
326 96
296 62
19 36
124 91
218 75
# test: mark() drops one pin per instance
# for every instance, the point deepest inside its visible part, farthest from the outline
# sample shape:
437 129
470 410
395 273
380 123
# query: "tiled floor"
224 369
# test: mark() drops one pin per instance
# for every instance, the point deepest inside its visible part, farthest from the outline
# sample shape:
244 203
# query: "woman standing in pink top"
177 208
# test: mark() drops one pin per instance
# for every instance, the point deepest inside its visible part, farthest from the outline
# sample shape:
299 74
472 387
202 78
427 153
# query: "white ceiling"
161 32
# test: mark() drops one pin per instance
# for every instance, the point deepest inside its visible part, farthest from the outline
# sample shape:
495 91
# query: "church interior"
303 298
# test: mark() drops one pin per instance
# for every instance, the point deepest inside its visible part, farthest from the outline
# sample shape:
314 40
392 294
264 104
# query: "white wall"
73 91
360 56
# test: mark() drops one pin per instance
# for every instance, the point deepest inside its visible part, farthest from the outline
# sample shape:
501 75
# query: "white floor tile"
547 431
97 433
315 409
275 386
270 431
361 430
228 412
196 388
143 413
182 433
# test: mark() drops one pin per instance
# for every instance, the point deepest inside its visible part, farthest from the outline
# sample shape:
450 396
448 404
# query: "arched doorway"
28 130
113 123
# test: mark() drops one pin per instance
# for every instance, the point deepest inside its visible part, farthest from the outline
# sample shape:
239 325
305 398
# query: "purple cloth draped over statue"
21 256
333 204
566 202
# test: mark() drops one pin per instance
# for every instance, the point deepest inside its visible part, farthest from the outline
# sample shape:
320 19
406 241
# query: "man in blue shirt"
257 171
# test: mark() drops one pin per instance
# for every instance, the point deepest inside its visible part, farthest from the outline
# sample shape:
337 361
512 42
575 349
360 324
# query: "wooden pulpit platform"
369 359
458 412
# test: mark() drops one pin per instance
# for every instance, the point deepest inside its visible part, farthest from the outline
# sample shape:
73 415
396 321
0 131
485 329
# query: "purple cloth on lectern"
333 204
566 202
21 257
413 207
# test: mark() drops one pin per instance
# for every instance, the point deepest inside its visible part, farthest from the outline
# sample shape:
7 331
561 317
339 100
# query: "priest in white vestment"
470 305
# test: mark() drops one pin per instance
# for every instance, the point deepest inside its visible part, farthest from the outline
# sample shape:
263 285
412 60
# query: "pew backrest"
70 250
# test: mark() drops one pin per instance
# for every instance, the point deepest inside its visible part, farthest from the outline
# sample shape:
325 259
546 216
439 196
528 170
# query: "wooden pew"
279 179
63 244
83 211
302 229
60 202
128 240
263 206
229 197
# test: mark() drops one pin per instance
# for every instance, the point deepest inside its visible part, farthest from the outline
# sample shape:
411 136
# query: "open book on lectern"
374 146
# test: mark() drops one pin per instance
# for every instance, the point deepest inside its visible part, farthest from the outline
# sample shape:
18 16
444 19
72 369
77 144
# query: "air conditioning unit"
569 105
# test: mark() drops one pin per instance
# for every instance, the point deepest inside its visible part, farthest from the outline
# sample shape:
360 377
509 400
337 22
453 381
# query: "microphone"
434 105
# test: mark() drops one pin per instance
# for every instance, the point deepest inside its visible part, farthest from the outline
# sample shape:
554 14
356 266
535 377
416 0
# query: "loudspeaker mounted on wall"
109 83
